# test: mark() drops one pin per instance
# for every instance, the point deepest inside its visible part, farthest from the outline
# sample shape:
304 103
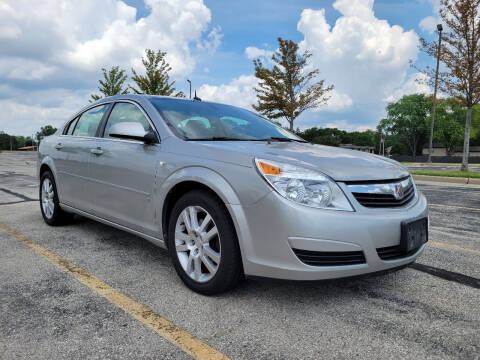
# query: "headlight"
303 186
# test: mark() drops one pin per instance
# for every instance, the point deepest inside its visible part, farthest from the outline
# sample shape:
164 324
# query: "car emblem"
398 191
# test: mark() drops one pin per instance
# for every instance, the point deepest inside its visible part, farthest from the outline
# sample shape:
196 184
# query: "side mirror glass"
132 131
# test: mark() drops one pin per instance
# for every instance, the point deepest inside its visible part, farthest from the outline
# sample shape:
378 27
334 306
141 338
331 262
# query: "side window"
71 126
88 122
125 112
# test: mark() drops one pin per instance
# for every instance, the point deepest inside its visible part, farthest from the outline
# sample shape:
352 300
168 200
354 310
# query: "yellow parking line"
455 247
455 207
165 328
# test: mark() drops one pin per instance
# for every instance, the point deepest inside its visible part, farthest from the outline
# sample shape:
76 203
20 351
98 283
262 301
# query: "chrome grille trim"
378 194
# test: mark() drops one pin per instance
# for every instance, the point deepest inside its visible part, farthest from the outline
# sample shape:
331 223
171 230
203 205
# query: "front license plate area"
414 234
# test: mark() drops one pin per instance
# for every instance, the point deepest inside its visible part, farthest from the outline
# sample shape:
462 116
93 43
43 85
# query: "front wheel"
203 245
49 204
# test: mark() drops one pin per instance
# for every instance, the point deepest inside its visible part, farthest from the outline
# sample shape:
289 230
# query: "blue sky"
50 58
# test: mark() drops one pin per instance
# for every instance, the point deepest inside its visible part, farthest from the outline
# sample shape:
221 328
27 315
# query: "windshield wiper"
218 138
226 138
281 139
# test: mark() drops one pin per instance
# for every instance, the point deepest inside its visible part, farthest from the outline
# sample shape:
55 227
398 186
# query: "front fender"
222 188
204 176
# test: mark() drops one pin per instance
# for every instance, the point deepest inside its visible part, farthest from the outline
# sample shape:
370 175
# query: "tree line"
13 142
408 120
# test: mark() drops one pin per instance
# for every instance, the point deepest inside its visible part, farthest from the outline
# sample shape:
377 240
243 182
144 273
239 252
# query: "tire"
202 245
52 213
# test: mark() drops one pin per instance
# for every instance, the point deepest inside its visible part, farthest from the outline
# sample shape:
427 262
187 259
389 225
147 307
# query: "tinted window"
125 112
71 126
88 123
202 120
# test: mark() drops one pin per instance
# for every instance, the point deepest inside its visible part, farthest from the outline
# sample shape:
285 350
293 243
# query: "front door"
72 155
123 174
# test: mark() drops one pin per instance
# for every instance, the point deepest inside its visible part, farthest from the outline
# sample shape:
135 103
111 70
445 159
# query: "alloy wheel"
197 243
48 204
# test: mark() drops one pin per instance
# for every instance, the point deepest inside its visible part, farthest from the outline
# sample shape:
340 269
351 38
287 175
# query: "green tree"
112 83
7 142
461 58
45 131
288 89
406 120
156 80
448 124
329 140
335 137
475 131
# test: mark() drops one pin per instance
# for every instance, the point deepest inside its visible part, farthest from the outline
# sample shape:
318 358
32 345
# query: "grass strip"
448 173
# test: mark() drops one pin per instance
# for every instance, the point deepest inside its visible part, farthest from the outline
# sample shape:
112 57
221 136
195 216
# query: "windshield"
195 120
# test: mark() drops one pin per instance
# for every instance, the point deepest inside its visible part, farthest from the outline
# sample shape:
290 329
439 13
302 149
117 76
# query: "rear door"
124 173
72 157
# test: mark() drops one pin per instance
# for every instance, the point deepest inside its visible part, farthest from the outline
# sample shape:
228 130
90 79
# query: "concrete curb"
446 179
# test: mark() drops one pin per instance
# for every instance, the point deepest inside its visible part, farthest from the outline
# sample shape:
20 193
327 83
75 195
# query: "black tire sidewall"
230 267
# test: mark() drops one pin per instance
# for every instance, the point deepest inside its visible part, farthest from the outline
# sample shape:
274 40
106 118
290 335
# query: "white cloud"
213 41
348 126
64 44
429 23
365 58
88 34
416 84
170 26
337 102
24 69
253 52
240 92
42 107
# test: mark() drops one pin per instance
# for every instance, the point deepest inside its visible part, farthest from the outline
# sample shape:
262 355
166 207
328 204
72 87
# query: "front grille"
381 194
394 252
384 200
330 258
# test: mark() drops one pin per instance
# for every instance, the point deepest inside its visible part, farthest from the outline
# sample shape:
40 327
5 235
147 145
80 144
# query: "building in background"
439 150
367 149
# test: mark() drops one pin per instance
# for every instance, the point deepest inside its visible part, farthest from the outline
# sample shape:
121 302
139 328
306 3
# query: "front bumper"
269 230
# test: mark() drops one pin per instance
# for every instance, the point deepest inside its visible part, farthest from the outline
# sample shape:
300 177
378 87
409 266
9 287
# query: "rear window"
88 123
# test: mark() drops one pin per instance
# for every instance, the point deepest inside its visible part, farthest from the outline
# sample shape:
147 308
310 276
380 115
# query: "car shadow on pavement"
131 249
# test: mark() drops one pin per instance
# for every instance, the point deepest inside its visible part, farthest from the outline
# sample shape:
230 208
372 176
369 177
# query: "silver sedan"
229 193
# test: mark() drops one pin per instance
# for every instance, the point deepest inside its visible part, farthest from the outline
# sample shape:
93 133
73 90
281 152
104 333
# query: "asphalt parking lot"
430 311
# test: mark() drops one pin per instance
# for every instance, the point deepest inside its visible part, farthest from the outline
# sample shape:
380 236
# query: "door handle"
97 151
59 146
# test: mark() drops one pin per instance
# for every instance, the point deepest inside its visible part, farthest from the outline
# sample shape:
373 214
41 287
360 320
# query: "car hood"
340 164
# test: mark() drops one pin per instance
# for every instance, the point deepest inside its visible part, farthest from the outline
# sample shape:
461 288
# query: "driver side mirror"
132 131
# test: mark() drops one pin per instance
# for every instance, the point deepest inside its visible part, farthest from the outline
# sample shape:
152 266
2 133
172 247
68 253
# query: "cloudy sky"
51 51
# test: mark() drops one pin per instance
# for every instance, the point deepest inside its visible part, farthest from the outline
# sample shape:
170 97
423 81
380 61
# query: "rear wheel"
49 204
203 245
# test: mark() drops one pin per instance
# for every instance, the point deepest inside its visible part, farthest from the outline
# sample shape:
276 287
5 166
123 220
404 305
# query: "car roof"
140 97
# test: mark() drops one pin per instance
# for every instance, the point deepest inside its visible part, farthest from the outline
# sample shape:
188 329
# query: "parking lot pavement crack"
21 196
448 275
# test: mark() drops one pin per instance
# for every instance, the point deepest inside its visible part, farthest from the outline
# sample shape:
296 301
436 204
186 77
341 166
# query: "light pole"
432 124
190 87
